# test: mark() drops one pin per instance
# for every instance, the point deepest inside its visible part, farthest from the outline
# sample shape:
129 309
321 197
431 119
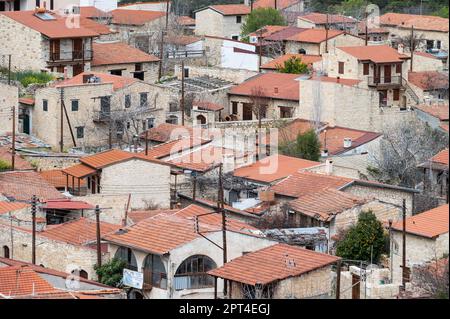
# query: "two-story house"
316 20
99 109
40 40
221 20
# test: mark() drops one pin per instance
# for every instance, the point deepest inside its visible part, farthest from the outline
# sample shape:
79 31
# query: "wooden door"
77 69
387 74
356 287
77 49
55 49
377 72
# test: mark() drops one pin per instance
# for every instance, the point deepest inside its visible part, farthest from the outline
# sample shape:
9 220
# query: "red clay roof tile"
119 53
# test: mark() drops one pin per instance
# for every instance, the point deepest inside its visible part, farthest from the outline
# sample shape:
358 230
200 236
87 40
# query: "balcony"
71 56
102 116
386 82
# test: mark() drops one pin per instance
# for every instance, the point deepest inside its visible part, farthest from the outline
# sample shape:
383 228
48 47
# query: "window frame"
77 105
45 105
79 132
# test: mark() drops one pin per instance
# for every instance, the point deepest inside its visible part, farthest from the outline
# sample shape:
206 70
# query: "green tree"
363 241
294 66
306 146
4 166
260 18
111 273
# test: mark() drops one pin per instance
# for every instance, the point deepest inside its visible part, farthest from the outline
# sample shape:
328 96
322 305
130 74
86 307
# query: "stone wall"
209 22
231 75
9 98
50 162
151 70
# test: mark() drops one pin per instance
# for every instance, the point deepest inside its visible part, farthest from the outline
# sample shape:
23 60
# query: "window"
126 254
302 51
239 19
52 4
127 101
235 37
234 108
192 273
45 105
173 107
143 99
105 107
150 123
398 68
38 3
186 72
74 105
116 72
80 132
430 44
285 112
6 251
396 95
438 44
155 272
341 67
80 273
366 68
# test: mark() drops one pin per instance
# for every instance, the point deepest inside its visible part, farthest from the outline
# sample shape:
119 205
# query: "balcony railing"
385 81
193 282
102 116
71 56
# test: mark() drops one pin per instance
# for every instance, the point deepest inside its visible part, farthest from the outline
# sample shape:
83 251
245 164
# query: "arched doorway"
134 294
126 254
201 119
192 273
154 272
6 251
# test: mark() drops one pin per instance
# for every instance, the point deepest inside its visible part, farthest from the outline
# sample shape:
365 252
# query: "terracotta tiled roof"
290 132
22 280
174 147
67 204
181 39
441 157
209 106
439 111
106 158
118 82
335 139
421 22
324 205
315 35
279 62
375 53
280 86
428 224
166 132
321 18
328 79
231 9
271 264
281 4
58 179
82 231
95 26
54 29
164 232
428 80
19 162
445 127
300 184
285 166
23 185
79 171
284 34
6 207
186 21
91 12
135 17
268 30
27 101
426 55
137 216
119 53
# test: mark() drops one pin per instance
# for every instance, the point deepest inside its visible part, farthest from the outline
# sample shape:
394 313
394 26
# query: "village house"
187 23
146 5
429 86
435 176
279 92
373 34
426 240
221 20
435 115
9 96
68 247
290 9
316 20
52 45
176 264
118 58
432 32
111 109
423 61
24 5
279 272
314 62
178 46
115 172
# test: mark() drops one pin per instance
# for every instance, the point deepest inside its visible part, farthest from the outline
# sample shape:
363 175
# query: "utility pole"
220 206
182 93
161 56
326 34
338 279
276 5
260 50
367 28
13 149
33 235
110 134
146 143
167 14
390 249
412 45
194 190
61 141
67 118
9 69
404 247
99 248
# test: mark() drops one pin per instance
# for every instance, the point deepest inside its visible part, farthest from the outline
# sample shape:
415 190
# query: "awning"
79 171
66 205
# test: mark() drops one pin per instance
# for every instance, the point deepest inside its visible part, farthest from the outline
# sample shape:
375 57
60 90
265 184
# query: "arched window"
201 119
126 254
80 273
302 51
154 272
6 251
192 273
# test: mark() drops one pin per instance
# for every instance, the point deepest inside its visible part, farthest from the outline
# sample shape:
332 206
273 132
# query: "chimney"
329 167
348 142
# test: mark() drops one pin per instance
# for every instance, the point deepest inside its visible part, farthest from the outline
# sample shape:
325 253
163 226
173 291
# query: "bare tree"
432 279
